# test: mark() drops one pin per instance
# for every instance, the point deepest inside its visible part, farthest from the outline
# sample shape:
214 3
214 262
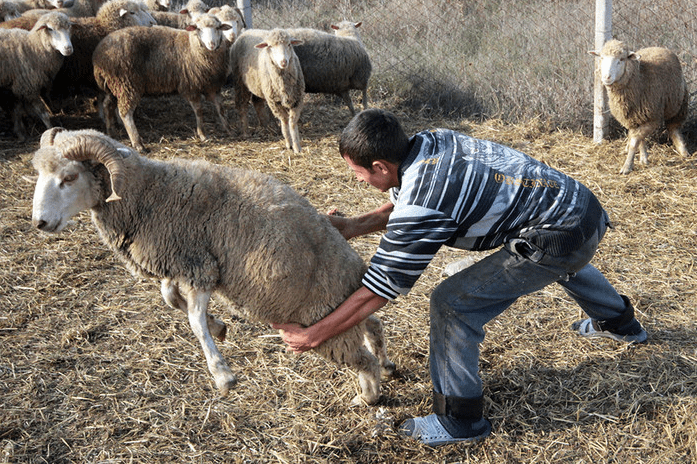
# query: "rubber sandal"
429 431
586 328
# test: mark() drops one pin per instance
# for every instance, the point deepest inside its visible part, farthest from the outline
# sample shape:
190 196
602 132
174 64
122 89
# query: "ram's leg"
18 124
678 141
197 308
195 102
173 297
374 338
260 110
365 98
293 127
348 349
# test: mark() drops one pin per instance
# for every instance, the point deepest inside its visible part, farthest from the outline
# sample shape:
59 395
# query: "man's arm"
361 304
373 221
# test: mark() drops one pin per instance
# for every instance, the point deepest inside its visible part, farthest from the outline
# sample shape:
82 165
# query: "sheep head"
614 59
57 27
209 30
279 46
65 185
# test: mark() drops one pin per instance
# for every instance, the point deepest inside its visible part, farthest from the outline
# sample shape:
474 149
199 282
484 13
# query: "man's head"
374 135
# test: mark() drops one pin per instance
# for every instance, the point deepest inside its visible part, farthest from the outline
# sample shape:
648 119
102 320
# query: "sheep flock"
126 50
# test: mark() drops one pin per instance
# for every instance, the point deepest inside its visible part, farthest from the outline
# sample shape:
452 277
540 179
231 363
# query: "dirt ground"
94 368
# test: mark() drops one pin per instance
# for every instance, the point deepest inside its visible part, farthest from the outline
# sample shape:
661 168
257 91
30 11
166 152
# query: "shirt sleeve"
414 235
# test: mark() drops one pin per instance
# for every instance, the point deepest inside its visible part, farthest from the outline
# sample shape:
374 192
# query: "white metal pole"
245 7
603 33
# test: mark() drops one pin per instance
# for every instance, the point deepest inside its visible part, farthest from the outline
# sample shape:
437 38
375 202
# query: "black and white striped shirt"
471 194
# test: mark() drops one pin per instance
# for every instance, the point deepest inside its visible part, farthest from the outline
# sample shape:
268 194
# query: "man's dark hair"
373 135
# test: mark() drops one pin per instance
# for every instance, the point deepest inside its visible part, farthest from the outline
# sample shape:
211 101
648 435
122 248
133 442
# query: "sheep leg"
260 109
374 339
293 123
39 108
108 107
217 100
197 302
637 136
678 141
18 124
130 125
173 297
195 102
242 106
347 99
365 98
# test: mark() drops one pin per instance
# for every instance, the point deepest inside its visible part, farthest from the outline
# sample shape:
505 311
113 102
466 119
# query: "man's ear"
380 166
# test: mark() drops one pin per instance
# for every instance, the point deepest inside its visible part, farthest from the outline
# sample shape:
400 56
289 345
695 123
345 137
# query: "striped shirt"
471 194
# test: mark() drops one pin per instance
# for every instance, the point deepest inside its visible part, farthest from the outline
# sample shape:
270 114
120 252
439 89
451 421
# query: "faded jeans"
463 303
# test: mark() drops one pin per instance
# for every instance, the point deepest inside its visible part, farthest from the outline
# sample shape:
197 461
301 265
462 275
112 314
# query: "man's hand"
295 337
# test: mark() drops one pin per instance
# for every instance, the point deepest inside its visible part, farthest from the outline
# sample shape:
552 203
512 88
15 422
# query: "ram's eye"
68 179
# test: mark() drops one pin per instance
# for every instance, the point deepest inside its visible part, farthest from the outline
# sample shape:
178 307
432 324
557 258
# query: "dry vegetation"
95 368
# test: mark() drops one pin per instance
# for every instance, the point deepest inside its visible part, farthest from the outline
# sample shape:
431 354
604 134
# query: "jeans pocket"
525 249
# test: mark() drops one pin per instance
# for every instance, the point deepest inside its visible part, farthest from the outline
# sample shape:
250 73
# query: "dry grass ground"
95 368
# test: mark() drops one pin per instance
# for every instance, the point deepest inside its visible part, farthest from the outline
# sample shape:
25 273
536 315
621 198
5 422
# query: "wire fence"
514 60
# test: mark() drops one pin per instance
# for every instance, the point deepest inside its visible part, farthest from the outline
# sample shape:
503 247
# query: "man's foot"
588 328
429 431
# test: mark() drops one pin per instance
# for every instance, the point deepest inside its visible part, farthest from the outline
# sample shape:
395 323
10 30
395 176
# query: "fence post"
603 33
245 7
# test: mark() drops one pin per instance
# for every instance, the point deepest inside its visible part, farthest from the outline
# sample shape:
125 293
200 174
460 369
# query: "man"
450 189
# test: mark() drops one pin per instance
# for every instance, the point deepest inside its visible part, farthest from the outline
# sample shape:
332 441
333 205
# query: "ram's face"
62 190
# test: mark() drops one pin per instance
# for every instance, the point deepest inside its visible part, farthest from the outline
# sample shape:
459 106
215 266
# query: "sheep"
8 10
161 60
263 64
71 8
183 18
645 89
158 5
26 5
36 56
76 76
334 63
231 16
202 228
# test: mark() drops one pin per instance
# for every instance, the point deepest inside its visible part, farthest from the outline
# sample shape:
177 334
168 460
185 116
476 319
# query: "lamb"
76 76
161 60
334 63
211 228
645 89
36 57
231 16
183 18
263 64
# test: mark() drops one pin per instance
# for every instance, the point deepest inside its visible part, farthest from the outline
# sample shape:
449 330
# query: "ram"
202 228
138 61
645 89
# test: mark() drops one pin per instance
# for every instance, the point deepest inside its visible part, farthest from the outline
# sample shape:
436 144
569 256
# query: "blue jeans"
463 303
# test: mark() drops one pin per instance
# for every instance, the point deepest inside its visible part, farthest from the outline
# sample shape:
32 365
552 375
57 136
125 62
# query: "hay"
95 368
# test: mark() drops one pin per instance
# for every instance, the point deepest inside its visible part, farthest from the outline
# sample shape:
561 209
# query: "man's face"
383 176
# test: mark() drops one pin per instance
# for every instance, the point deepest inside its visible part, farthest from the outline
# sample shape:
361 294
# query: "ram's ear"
593 52
634 56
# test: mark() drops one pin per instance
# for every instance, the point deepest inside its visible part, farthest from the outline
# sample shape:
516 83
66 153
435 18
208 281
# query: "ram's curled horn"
49 136
90 147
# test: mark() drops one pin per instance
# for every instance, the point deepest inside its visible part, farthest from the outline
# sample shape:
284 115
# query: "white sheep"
231 16
202 228
30 60
26 5
263 64
181 19
334 63
138 61
645 89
